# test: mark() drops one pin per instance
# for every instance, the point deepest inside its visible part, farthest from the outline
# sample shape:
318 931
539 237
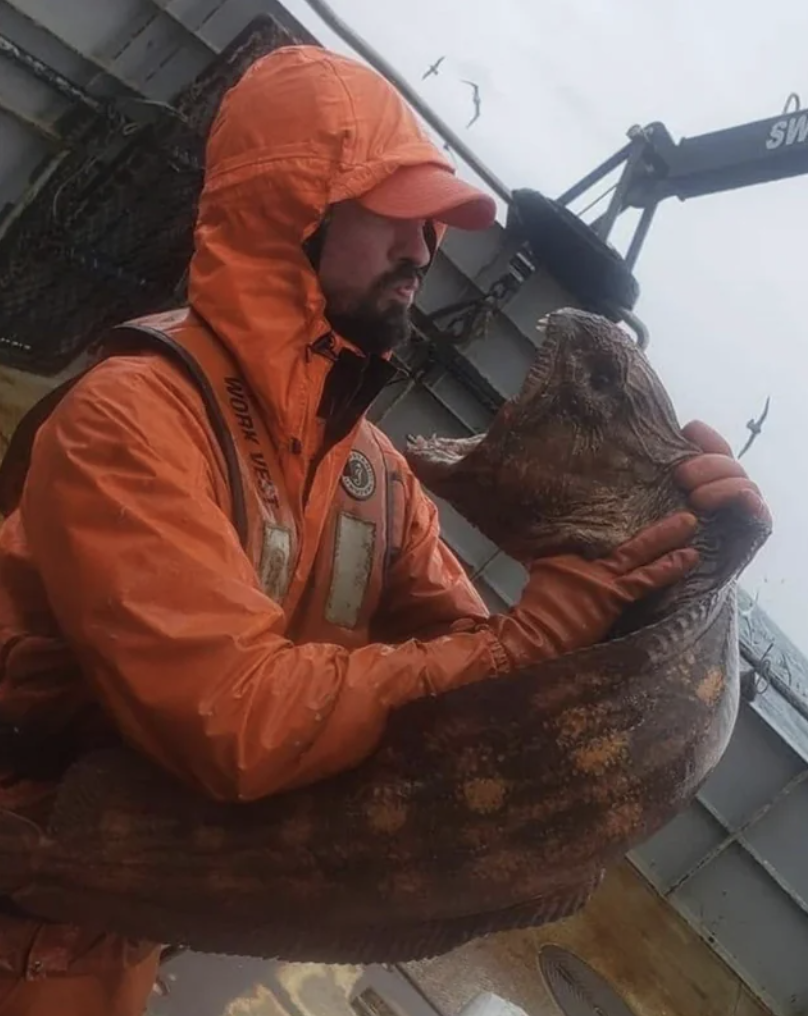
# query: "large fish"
494 806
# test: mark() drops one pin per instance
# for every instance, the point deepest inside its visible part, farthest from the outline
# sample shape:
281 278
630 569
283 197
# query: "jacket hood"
303 129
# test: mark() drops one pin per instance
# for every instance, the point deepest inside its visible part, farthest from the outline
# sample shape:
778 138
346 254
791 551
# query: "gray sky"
721 276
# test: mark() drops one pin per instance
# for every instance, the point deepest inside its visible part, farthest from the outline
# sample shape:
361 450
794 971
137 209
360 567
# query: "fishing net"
106 230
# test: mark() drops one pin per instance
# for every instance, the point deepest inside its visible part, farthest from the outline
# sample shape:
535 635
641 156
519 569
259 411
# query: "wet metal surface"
627 934
655 963
215 986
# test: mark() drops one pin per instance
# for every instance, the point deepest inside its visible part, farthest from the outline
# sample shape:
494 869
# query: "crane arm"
752 153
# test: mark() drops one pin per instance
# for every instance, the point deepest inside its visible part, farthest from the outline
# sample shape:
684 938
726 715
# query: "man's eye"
430 235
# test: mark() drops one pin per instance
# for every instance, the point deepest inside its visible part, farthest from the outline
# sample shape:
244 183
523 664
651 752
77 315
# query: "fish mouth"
432 458
545 363
544 326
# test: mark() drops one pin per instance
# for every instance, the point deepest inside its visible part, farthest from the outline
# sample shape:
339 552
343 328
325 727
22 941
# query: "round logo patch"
358 478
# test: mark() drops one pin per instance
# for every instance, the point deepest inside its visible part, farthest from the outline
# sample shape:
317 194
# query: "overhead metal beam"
41 129
103 69
42 72
164 6
20 7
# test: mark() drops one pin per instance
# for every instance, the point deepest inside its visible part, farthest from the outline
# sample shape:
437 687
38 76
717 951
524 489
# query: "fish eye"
602 378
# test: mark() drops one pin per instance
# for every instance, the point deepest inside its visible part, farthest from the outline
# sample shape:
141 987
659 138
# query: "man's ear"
434 232
431 238
313 246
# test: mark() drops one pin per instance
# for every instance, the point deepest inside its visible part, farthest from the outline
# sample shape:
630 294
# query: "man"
250 629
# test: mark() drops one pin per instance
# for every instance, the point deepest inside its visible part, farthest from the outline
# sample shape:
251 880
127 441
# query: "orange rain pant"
117 992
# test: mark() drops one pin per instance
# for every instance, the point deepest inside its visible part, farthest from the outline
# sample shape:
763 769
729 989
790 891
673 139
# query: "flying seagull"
476 99
433 68
755 427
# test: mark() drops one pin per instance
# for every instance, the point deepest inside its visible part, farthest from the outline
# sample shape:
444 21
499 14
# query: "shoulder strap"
394 502
17 459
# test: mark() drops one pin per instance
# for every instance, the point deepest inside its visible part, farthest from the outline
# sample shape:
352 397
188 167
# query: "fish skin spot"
606 791
297 831
580 722
574 724
484 796
711 686
496 868
599 755
386 814
408 884
621 822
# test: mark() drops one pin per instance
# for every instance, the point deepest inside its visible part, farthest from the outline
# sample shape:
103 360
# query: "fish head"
605 441
582 458
593 397
579 459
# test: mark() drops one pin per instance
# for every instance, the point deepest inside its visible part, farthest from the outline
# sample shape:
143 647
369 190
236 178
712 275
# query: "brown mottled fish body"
494 806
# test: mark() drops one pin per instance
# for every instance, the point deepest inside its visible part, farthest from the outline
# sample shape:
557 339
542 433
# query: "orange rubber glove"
715 478
570 603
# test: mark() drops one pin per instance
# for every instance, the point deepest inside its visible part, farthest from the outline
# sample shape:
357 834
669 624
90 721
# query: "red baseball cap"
430 191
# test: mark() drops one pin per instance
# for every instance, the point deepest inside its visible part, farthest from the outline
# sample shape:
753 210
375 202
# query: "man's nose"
411 243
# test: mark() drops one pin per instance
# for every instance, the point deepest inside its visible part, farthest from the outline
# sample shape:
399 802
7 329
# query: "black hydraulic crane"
655 167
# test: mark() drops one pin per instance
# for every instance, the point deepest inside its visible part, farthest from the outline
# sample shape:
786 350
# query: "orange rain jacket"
128 605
